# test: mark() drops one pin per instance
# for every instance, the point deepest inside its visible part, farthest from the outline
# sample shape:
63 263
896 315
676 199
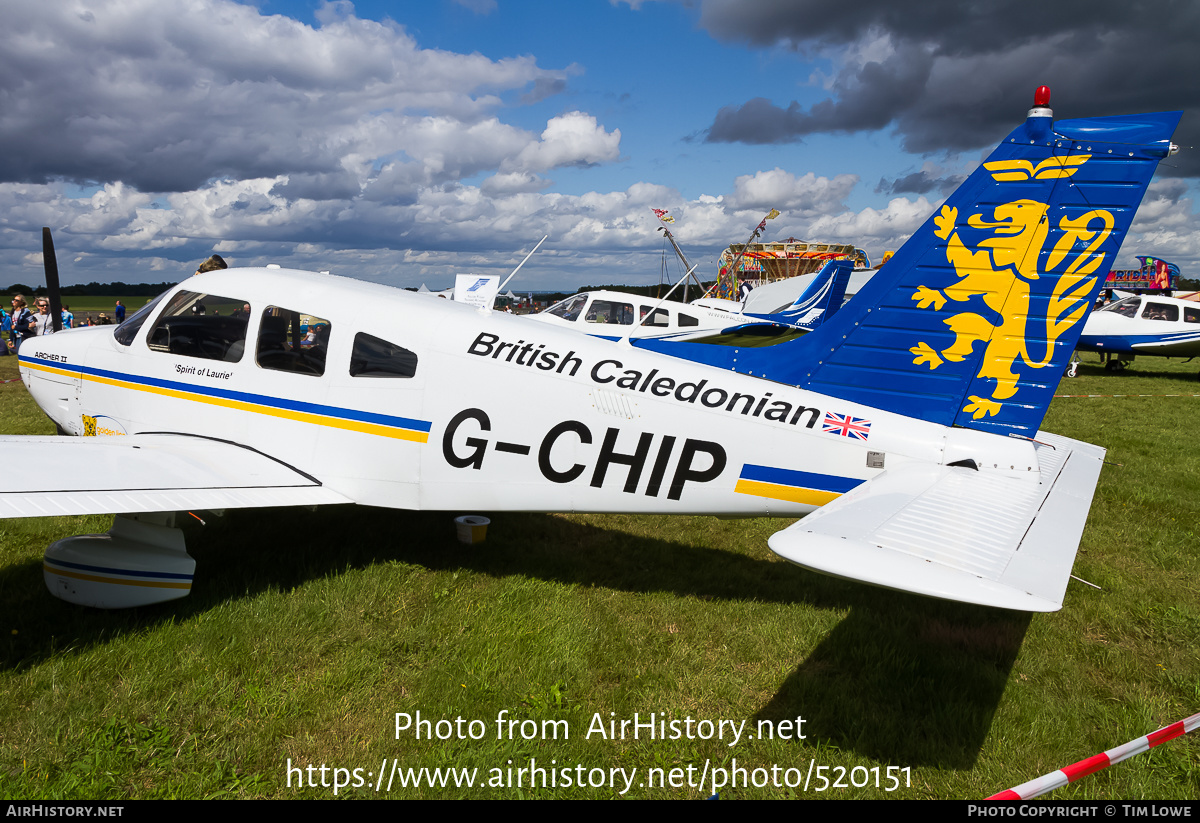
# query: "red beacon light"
1040 114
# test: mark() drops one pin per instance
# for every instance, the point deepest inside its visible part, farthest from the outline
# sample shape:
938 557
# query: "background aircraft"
1147 325
895 419
766 297
604 313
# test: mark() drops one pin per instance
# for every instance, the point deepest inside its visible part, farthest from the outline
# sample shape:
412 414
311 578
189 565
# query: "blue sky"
654 74
404 143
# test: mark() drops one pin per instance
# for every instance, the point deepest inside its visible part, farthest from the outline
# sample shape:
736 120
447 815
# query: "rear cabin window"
660 318
201 325
687 320
1191 315
374 357
292 341
1161 311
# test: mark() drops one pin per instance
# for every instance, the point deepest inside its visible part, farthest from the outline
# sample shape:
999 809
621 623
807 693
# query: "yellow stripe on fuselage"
51 370
793 494
242 405
152 584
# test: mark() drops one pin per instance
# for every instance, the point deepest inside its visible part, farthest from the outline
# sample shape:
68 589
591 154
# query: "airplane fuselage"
910 417
615 314
469 409
1145 325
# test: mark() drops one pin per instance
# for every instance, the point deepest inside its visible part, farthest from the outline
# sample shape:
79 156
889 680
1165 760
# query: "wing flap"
957 533
54 476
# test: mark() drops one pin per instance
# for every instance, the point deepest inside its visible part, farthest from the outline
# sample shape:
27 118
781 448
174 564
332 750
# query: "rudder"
820 301
973 320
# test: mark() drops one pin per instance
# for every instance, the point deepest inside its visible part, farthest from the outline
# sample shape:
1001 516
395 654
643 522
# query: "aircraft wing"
958 533
53 476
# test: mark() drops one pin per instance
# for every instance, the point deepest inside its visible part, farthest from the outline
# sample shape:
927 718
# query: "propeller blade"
50 262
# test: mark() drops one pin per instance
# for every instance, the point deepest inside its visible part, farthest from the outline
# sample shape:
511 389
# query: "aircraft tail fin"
974 319
820 300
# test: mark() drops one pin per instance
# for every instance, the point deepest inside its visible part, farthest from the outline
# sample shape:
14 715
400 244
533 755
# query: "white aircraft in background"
1147 325
616 314
766 297
907 425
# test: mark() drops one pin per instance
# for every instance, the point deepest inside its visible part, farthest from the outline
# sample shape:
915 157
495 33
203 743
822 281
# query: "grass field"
307 633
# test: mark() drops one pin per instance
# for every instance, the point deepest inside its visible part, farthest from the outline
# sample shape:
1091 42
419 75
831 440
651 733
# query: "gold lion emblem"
1001 270
89 426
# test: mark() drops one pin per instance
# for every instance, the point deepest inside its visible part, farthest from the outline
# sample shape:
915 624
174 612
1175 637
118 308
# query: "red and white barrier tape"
1069 774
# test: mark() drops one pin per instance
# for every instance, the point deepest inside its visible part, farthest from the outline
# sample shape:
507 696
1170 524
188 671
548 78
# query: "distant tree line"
117 289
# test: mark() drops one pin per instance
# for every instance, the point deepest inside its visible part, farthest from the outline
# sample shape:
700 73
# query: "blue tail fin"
820 300
973 320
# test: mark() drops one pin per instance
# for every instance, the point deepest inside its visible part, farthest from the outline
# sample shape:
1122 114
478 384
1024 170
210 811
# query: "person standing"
120 313
67 317
44 323
5 330
23 324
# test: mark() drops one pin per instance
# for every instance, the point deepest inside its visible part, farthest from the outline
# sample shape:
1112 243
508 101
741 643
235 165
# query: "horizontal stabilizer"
145 473
958 533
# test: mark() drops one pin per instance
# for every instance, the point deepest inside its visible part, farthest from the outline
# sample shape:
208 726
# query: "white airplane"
892 424
1148 325
616 314
765 297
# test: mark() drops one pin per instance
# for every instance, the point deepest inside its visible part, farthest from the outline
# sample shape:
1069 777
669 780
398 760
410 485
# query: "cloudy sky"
406 142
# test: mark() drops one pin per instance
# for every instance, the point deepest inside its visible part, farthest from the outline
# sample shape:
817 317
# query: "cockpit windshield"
570 308
1126 308
129 329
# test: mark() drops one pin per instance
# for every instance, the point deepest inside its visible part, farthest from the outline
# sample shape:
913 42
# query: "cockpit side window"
133 324
611 312
292 341
373 357
201 325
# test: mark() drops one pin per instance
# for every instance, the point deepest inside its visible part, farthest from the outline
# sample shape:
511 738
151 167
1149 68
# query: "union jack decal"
857 427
